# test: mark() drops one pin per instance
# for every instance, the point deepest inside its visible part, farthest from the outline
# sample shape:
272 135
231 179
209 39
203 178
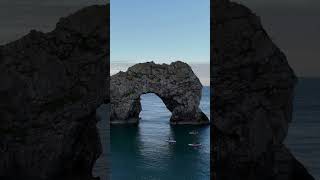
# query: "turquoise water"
141 152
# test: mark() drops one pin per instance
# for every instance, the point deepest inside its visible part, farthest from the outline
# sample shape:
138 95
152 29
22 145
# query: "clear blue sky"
160 30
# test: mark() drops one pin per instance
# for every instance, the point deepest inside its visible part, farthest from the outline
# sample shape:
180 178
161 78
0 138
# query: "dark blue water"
141 152
136 155
304 131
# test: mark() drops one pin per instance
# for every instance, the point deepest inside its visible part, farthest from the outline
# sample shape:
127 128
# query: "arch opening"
153 108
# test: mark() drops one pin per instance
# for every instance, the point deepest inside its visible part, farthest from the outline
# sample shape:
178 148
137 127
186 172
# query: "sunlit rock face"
176 84
51 86
253 94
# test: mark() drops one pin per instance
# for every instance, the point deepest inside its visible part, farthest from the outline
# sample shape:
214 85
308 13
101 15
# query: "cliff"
51 85
252 102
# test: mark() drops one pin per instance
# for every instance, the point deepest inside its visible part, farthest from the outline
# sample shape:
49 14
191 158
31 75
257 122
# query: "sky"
160 31
18 17
142 30
169 30
294 26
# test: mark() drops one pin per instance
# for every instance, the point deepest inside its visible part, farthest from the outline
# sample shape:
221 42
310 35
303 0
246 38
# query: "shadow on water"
102 166
127 138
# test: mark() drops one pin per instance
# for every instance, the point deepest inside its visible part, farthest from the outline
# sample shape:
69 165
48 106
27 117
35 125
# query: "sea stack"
253 97
176 84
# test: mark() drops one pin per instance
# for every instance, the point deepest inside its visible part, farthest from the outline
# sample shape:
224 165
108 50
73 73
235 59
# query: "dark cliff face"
253 96
175 83
51 86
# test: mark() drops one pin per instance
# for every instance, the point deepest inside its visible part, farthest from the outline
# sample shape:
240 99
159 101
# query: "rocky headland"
176 84
51 85
252 103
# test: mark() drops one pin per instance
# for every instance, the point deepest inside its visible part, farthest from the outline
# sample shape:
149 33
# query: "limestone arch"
175 84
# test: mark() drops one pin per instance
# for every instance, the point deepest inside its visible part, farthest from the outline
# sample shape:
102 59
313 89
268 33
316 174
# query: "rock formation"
51 86
252 103
175 84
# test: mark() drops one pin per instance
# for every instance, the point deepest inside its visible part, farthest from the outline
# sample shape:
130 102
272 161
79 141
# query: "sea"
141 152
304 131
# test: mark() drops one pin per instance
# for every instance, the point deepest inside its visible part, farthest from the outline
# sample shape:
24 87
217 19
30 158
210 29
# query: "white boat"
171 141
195 145
193 132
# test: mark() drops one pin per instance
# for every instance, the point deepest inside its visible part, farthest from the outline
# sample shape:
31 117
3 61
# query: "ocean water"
101 167
304 132
141 152
137 155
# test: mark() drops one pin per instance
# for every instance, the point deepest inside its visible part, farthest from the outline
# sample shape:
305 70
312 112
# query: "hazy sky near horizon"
160 31
294 26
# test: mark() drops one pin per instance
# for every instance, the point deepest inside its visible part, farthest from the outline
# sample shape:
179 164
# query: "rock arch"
253 98
51 85
176 84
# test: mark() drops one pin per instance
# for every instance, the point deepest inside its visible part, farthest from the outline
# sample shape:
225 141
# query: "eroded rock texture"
176 84
51 86
253 94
